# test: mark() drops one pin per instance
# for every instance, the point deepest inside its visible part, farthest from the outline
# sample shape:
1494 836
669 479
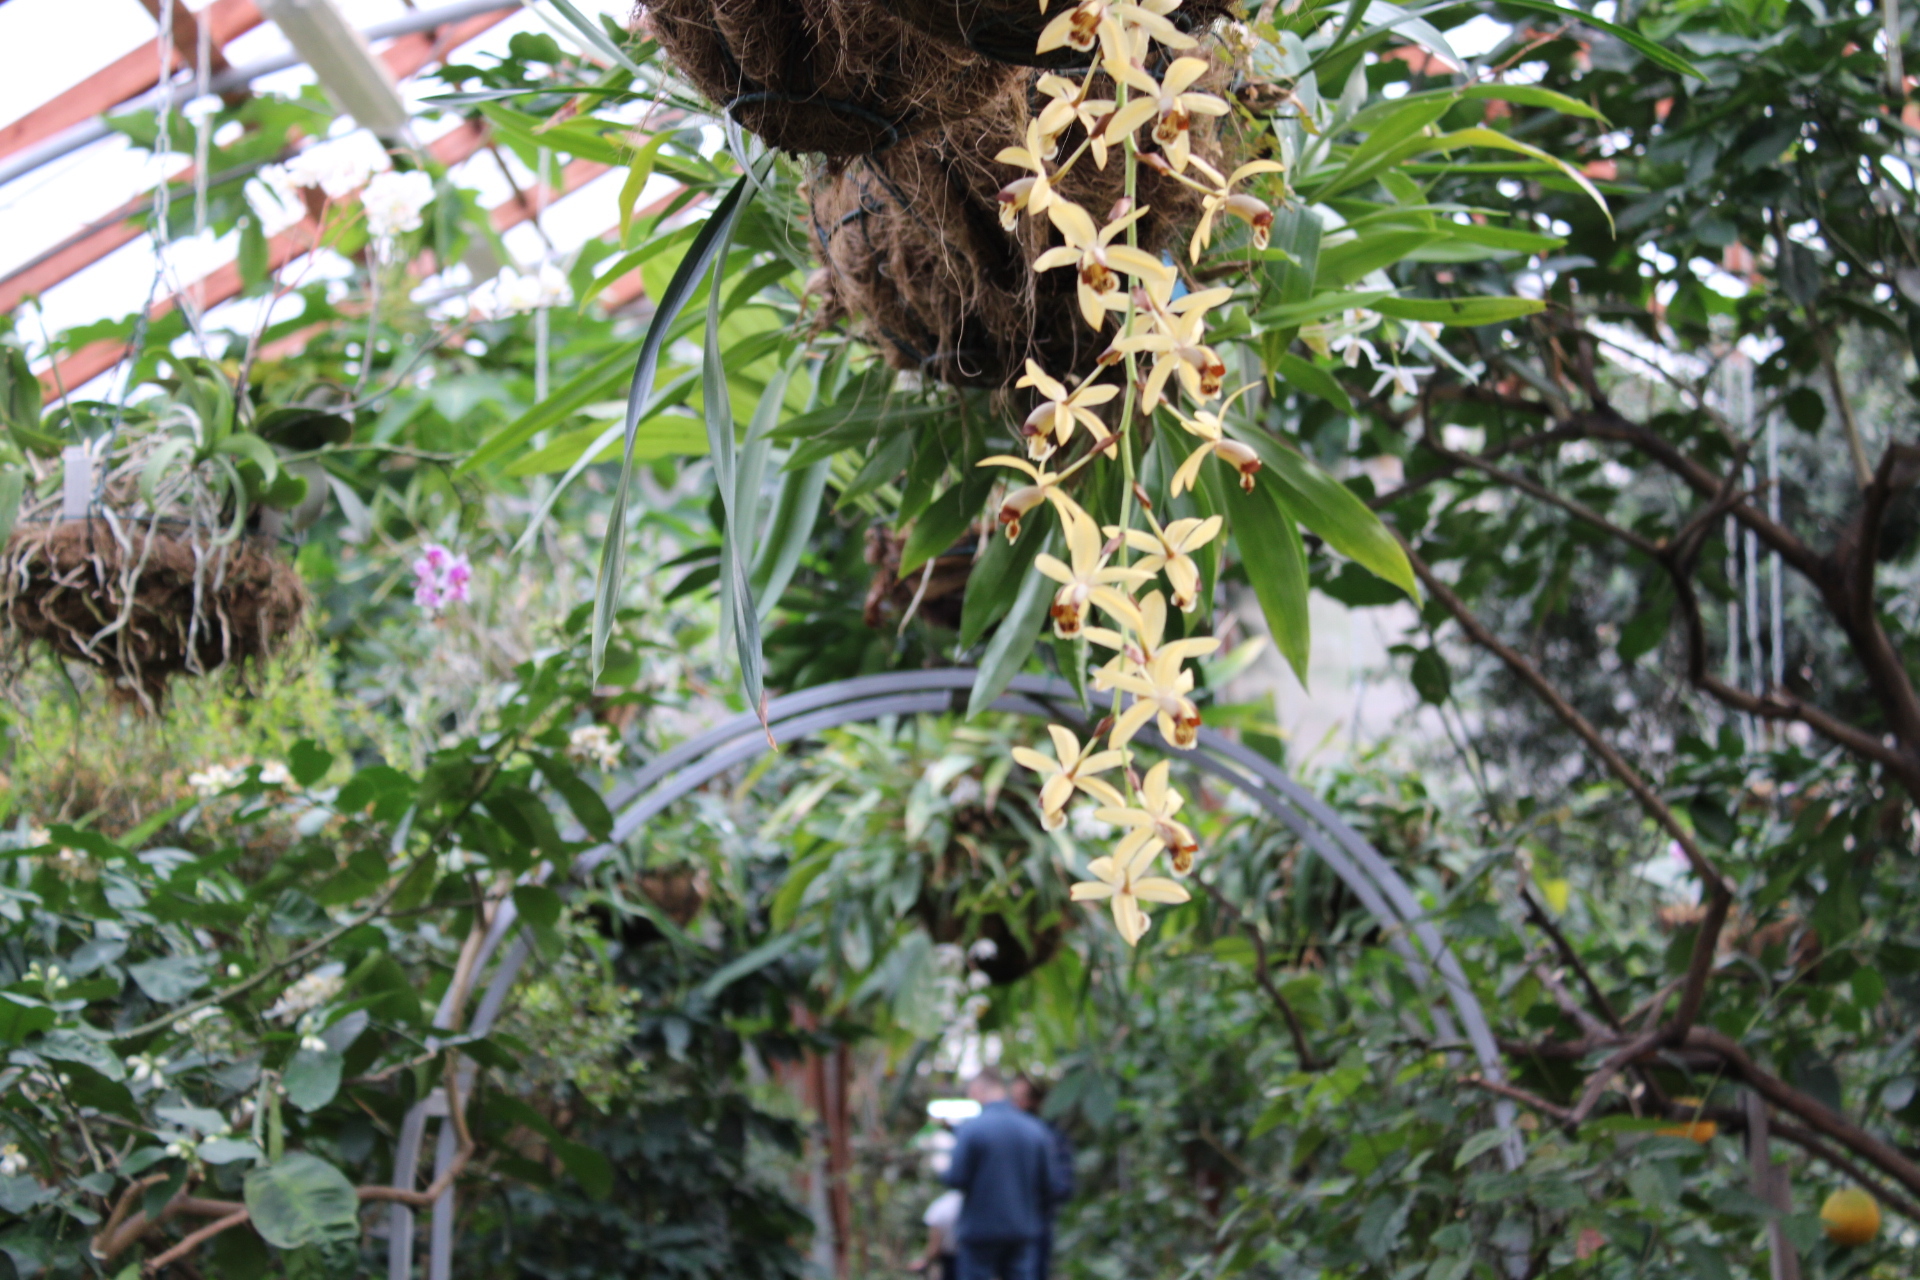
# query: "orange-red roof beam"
405 56
126 78
186 36
224 283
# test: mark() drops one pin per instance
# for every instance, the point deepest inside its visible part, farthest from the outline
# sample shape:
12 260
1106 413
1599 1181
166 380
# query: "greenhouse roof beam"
404 57
186 36
126 78
83 131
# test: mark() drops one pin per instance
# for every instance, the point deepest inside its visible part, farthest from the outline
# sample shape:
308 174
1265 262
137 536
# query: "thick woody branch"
193 1240
1719 892
1817 1115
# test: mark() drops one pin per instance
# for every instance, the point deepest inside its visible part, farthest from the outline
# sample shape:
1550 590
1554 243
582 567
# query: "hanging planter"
832 77
1010 30
916 256
152 551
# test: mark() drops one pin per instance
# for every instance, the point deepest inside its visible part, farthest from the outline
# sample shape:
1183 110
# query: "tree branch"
193 1240
1263 975
1538 916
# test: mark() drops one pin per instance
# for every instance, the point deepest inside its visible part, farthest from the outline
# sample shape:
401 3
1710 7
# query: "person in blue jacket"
1003 1162
1030 1095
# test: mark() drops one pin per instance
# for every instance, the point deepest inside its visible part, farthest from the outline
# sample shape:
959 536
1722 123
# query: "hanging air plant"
149 549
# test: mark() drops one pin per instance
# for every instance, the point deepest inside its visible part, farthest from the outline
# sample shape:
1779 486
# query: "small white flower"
593 744
309 993
964 791
184 1026
12 1162
148 1070
275 774
1085 826
511 293
339 167
73 864
393 202
181 1148
313 1044
274 197
37 836
233 971
1403 378
50 978
983 949
213 780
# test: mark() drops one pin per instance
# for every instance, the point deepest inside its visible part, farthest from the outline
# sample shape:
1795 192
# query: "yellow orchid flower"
1146 623
1224 199
1032 192
1170 100
1153 813
1211 427
1050 426
1025 498
1170 550
1099 261
1118 878
1067 106
1160 689
1089 579
1071 768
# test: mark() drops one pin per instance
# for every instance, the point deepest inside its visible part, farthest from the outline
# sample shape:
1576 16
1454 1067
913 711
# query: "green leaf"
73 1046
1482 137
1649 49
308 762
1431 679
1478 1145
1304 375
19 393
747 965
593 1171
596 38
583 799
1007 651
787 534
711 242
1331 510
1269 543
946 518
171 979
1464 312
21 1017
585 387
312 1078
299 1200
538 905
1342 264
997 578
13 486
637 175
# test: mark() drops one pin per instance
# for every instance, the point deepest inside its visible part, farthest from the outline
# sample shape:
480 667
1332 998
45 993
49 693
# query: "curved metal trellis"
692 764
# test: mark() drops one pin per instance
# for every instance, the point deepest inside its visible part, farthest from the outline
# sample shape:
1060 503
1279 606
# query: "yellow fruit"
1701 1131
1851 1216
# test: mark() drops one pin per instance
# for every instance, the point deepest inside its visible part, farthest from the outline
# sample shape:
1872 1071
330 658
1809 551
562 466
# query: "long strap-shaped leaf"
710 244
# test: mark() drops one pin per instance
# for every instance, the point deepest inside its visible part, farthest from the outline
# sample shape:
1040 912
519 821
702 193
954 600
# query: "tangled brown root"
915 254
146 606
837 77
1009 30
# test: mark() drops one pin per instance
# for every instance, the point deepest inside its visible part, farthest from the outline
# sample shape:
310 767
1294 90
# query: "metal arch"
693 763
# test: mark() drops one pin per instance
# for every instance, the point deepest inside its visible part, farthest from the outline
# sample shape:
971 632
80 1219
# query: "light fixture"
358 82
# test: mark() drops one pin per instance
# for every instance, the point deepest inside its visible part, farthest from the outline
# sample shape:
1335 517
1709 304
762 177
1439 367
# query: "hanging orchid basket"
833 77
153 550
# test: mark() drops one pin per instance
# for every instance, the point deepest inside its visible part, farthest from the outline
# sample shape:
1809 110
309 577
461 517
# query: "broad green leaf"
1331 510
585 387
13 486
787 534
659 435
1007 651
711 241
312 1078
997 577
1316 308
169 979
637 175
1463 312
747 965
592 1170
1478 1145
1431 680
1342 264
1483 137
1269 544
946 518
299 1200
584 800
1304 375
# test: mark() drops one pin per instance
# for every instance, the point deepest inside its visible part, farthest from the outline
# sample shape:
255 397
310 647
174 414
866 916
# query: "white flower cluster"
195 1020
593 744
50 978
312 991
12 1162
393 202
337 168
148 1070
215 779
511 293
74 865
